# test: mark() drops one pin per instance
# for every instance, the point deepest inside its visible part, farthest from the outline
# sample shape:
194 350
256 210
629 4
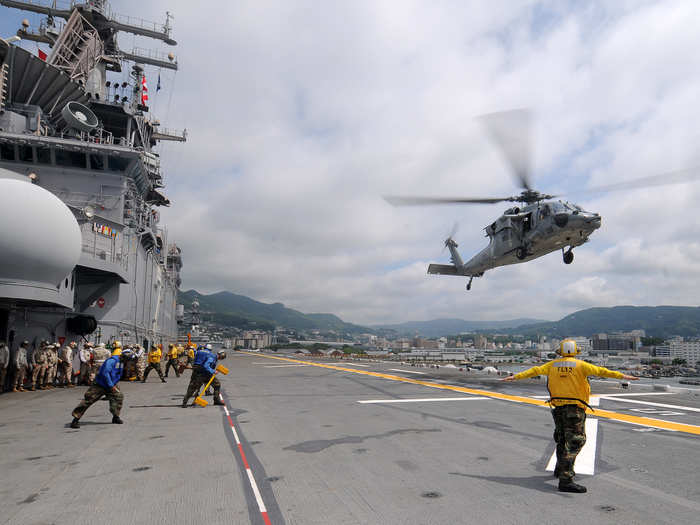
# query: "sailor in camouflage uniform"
141 359
203 368
105 385
51 365
40 361
21 366
569 391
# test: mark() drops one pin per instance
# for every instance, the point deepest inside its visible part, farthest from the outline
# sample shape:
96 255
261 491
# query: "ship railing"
135 21
172 134
99 136
153 54
112 249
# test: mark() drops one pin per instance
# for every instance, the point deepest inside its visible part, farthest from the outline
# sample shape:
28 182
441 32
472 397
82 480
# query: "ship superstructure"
74 126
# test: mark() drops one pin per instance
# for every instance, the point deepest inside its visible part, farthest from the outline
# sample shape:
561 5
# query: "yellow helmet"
117 344
568 348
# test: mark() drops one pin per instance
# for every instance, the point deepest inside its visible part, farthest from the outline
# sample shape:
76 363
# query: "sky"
301 115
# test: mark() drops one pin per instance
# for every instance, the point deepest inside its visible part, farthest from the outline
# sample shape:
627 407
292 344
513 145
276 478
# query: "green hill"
657 321
243 312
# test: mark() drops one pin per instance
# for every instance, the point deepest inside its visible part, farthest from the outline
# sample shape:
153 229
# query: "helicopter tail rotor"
450 237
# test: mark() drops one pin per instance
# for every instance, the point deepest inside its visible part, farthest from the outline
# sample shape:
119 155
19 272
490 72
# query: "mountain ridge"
239 311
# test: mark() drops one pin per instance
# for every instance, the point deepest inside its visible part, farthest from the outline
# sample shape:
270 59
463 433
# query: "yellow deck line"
637 420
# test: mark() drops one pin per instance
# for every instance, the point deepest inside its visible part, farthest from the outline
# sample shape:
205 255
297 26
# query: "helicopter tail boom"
444 269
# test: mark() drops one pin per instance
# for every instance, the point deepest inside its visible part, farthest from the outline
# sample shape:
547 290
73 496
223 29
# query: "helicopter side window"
544 212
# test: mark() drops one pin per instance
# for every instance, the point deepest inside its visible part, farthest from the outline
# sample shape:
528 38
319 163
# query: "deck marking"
585 461
599 413
282 366
356 364
369 401
649 403
407 371
249 472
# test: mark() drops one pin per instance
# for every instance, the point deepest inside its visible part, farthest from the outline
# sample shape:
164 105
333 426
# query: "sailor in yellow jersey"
569 391
172 360
154 357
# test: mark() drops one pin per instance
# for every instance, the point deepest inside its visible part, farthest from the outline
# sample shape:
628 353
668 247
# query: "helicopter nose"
594 221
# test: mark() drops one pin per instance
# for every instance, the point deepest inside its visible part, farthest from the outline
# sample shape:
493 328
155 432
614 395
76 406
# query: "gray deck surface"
320 456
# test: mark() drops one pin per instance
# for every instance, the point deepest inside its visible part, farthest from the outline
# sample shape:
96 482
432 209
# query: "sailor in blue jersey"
203 368
105 385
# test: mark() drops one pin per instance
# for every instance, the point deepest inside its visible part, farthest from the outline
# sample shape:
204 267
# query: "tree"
678 361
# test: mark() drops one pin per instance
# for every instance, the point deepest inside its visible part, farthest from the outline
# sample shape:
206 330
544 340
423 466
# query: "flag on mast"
144 91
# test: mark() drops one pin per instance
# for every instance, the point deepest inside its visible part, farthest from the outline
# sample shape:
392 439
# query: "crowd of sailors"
64 365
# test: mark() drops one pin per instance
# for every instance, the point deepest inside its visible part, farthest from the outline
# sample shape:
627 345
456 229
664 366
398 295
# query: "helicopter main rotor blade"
511 131
396 200
665 179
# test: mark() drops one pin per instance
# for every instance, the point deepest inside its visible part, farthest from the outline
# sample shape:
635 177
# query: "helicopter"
540 224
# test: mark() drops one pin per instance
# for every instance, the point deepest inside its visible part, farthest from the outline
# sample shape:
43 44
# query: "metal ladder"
4 88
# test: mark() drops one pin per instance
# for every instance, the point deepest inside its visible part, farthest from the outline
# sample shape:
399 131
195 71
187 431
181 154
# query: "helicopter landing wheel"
520 253
568 256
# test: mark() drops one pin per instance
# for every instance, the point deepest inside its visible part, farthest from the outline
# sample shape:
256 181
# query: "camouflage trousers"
200 377
94 394
66 373
570 436
175 364
140 368
3 375
20 375
153 366
38 375
84 373
51 374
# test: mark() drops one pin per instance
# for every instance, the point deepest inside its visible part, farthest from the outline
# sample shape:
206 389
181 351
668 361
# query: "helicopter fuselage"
525 233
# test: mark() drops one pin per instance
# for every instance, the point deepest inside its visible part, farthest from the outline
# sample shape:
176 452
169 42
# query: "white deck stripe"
637 394
407 371
662 405
282 366
369 401
235 435
354 364
258 497
585 461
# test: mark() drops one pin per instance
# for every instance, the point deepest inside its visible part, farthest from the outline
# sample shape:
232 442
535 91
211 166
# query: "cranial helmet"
221 355
117 344
208 346
568 348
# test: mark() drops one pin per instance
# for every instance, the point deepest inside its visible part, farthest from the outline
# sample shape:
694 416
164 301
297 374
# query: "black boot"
117 420
184 403
218 401
75 423
163 380
570 486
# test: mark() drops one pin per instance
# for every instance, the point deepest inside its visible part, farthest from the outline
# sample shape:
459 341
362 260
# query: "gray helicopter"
540 224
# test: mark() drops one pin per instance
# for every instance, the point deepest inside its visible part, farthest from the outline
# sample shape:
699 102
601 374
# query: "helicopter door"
506 238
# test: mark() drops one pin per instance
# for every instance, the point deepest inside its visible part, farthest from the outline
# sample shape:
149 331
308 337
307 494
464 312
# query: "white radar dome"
40 240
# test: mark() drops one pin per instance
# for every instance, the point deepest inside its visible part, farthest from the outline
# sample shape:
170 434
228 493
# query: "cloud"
301 115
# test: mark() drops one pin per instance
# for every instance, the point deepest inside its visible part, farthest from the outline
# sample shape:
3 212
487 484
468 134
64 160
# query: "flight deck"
309 441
